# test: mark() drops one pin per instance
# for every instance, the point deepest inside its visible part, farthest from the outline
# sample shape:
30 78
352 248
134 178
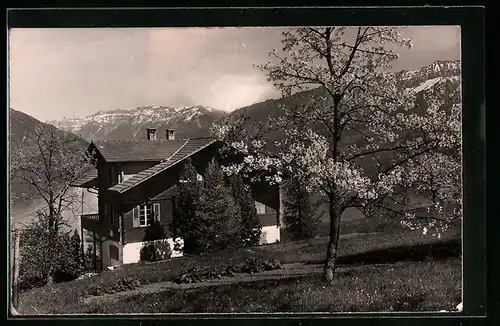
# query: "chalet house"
135 183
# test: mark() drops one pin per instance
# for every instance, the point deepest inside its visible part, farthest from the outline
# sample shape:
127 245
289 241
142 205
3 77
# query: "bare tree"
49 164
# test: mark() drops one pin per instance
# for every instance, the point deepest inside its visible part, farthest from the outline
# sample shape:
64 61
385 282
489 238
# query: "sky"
56 73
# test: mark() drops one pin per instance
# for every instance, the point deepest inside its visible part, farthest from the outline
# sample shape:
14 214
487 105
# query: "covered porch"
91 240
90 226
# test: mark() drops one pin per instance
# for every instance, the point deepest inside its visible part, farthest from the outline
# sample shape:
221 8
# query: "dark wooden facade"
116 210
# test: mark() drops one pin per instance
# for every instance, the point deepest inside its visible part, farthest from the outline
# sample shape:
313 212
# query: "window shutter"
136 223
156 210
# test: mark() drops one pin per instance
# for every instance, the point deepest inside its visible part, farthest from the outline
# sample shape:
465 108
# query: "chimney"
170 134
151 133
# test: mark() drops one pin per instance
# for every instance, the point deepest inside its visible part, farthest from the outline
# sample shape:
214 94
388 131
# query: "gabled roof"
136 150
187 148
87 180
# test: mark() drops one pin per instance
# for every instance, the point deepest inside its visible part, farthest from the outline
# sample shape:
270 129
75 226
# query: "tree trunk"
331 254
335 211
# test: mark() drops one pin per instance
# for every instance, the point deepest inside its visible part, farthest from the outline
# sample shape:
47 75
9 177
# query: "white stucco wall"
106 257
132 251
270 234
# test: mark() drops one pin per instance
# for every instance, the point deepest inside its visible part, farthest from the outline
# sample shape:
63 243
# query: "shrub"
155 251
250 266
250 224
217 224
123 284
301 217
38 245
185 224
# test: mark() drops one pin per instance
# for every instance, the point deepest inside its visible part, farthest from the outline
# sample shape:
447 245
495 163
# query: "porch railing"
90 222
94 217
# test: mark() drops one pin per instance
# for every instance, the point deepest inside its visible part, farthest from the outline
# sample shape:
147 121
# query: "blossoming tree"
359 139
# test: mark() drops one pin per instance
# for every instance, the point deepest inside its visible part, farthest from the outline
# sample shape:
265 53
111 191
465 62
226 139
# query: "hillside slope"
418 81
22 136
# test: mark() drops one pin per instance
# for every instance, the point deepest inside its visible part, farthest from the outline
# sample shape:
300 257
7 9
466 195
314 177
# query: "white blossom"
375 118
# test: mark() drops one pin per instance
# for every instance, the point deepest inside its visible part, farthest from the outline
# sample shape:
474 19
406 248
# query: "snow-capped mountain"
123 124
417 81
428 76
195 121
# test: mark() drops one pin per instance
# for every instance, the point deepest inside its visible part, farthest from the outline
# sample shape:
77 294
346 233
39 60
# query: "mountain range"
195 121
121 124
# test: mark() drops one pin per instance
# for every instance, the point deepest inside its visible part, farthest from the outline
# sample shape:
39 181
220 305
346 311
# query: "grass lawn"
410 249
408 286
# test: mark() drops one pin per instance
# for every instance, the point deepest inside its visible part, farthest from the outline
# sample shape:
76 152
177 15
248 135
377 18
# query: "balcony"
91 222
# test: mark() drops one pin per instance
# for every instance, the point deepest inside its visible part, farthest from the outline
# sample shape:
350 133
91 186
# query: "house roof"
185 150
87 180
136 150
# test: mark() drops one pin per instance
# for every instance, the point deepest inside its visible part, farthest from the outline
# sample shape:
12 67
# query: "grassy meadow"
383 268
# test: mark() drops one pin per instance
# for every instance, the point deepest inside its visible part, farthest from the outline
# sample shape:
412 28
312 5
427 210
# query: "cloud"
239 91
62 72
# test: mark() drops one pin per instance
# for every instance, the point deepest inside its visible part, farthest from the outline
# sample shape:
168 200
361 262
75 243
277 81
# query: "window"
261 208
144 215
114 252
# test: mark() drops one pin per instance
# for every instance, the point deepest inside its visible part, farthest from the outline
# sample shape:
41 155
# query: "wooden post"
100 254
281 210
83 245
95 251
15 269
81 234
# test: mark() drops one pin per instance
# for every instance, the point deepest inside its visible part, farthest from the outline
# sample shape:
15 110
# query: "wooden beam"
83 244
120 252
95 251
15 274
100 252
281 206
81 232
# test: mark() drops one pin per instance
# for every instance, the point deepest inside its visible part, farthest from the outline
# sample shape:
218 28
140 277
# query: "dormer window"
151 133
